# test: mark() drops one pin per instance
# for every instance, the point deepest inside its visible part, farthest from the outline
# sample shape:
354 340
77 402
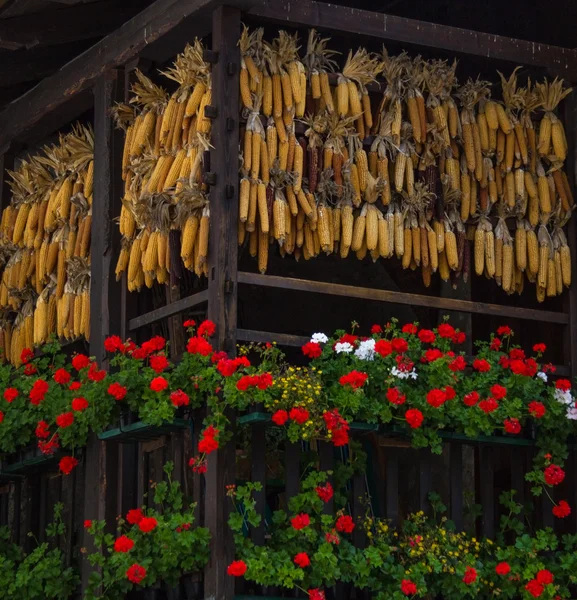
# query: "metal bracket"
210 112
210 56
230 124
228 286
209 178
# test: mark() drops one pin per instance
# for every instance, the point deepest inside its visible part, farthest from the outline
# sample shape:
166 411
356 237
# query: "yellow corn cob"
262 208
504 121
326 92
451 250
544 145
255 159
203 232
565 255
408 248
298 167
400 161
358 232
479 250
342 97
521 246
245 94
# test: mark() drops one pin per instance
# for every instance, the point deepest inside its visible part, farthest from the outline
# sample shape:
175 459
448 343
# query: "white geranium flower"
366 350
343 347
572 413
564 397
403 374
542 376
319 338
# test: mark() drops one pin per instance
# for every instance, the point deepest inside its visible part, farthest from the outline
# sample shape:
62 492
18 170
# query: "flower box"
26 461
141 432
263 417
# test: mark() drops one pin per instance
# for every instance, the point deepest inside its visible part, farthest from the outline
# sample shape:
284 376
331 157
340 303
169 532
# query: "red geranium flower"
545 577
302 560
26 355
471 398
512 425
325 492
436 398
400 345
562 510
481 365
426 336
517 366
66 464
189 323
65 419
345 524
30 369
147 524
445 330
198 345
42 430
408 587
489 405
10 394
113 343
179 398
301 521
79 404
312 349
502 568
38 391
414 418
206 329
316 594
431 355
498 391
154 344
384 348
80 361
539 348
87 524
409 328
534 588
207 444
158 363
495 344
554 475
332 537
117 391
355 379
537 409
504 330
61 376
237 568
470 575
123 544
280 417
563 385
394 396
449 392
516 354
136 573
459 337
375 329
75 386
299 415
134 516
459 364
158 384
531 367
94 374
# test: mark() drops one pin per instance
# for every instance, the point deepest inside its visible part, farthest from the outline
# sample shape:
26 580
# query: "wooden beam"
105 238
168 311
282 339
6 163
323 16
349 291
19 118
222 286
63 25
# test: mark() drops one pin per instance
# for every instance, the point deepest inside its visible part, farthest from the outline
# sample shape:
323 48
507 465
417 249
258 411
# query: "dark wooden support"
105 293
425 480
167 311
392 485
518 470
560 61
359 509
487 490
456 458
459 320
258 474
292 469
282 339
222 296
327 463
6 163
447 304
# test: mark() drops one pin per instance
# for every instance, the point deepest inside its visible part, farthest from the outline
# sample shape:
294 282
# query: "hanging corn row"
166 137
447 178
45 246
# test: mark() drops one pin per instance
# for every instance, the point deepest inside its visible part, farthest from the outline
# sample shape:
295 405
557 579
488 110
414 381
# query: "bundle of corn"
47 224
166 137
489 181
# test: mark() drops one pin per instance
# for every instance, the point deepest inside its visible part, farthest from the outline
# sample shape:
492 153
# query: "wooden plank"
335 289
359 497
105 293
456 474
560 61
222 297
425 480
392 485
18 119
292 469
487 490
167 311
64 25
282 339
258 474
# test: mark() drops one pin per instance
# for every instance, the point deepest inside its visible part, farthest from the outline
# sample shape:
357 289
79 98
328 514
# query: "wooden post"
100 499
222 294
6 162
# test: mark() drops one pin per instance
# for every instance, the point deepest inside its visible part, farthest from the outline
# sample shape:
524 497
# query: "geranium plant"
153 545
